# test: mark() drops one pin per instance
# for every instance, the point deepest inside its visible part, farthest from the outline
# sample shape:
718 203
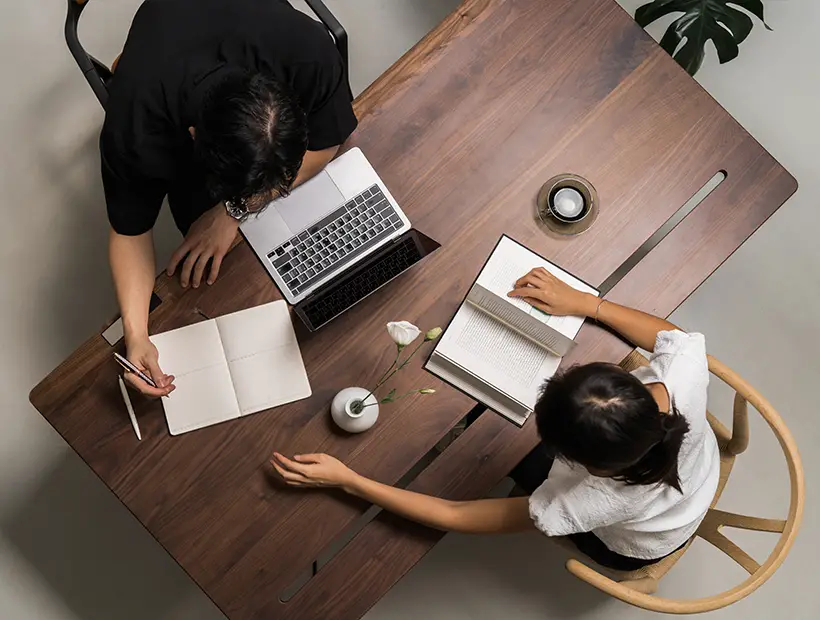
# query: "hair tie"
666 426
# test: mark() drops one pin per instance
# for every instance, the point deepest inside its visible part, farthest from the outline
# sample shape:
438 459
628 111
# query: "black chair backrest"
98 74
95 72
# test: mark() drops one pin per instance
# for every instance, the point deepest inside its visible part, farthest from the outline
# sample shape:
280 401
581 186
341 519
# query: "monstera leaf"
702 20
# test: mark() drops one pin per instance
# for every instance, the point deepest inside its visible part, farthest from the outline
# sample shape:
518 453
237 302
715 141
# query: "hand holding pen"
143 371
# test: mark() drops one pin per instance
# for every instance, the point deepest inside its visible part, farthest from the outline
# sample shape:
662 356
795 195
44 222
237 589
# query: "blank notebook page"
204 391
263 357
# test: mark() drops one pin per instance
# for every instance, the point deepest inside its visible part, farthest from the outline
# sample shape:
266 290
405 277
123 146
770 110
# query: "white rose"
403 332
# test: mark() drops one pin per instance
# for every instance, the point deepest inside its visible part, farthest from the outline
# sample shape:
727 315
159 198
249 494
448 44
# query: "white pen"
128 406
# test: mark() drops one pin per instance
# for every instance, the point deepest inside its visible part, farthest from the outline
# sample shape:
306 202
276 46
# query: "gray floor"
69 550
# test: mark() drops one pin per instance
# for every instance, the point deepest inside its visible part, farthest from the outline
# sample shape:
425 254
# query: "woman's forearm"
640 328
485 516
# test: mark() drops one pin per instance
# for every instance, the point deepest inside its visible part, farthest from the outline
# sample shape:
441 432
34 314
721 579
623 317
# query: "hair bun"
674 426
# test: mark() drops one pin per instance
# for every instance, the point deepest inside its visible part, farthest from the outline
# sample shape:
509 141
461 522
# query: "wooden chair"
99 75
638 587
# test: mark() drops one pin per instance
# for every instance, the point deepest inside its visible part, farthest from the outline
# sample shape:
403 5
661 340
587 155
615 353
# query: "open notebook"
498 349
231 366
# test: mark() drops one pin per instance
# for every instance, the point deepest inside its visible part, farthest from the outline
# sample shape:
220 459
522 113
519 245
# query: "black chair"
98 74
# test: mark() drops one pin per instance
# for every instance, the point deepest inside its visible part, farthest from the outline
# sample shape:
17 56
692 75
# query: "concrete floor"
70 551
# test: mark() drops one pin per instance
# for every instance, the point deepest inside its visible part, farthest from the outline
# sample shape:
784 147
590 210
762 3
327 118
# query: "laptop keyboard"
328 306
337 239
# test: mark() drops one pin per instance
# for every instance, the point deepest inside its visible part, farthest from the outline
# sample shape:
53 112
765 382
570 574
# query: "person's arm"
485 516
544 291
638 327
313 163
212 235
133 201
132 268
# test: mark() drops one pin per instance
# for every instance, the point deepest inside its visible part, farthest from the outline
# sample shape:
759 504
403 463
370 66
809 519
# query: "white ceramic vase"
342 413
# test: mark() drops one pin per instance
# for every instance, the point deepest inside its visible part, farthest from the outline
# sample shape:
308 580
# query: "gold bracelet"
597 309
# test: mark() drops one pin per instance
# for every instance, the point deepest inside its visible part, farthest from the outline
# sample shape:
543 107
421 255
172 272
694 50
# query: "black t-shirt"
175 50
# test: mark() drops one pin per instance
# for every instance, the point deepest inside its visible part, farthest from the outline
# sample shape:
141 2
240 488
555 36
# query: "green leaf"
671 39
690 56
702 21
648 13
675 33
737 22
755 7
725 43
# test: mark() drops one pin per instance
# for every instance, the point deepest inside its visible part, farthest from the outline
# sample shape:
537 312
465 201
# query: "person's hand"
313 470
209 239
144 355
543 290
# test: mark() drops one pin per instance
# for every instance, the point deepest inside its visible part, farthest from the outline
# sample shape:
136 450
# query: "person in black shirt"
220 105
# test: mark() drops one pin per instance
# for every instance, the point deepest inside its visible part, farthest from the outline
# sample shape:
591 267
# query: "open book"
498 349
231 366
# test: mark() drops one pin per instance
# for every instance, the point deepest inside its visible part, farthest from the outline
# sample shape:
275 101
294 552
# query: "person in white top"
627 466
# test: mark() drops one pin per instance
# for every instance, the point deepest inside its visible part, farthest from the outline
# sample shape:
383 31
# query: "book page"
507 360
510 261
204 393
263 357
520 321
479 389
490 349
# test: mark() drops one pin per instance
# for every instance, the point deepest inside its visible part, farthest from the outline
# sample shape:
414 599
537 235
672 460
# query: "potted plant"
703 20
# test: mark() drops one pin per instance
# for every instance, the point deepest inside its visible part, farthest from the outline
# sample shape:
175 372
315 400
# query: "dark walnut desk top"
463 129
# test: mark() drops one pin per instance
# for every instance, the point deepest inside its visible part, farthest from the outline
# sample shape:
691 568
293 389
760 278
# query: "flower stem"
395 361
389 374
395 399
392 370
384 376
407 360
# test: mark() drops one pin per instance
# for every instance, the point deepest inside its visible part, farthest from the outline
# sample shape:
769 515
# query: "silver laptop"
343 221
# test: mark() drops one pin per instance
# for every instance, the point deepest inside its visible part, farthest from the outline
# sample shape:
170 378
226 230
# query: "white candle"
568 202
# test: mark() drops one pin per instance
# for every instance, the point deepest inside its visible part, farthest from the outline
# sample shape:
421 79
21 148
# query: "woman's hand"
543 290
483 516
313 470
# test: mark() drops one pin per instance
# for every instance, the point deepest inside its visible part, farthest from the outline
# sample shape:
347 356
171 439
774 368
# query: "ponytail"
660 463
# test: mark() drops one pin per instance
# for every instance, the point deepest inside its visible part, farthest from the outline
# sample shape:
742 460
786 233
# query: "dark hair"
604 418
251 137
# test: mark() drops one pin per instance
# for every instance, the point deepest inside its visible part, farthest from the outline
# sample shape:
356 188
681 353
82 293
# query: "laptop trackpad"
310 202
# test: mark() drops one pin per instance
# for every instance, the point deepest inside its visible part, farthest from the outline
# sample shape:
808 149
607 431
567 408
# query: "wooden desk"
463 129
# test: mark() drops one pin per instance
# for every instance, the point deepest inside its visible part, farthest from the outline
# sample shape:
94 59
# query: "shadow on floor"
77 256
489 577
94 555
